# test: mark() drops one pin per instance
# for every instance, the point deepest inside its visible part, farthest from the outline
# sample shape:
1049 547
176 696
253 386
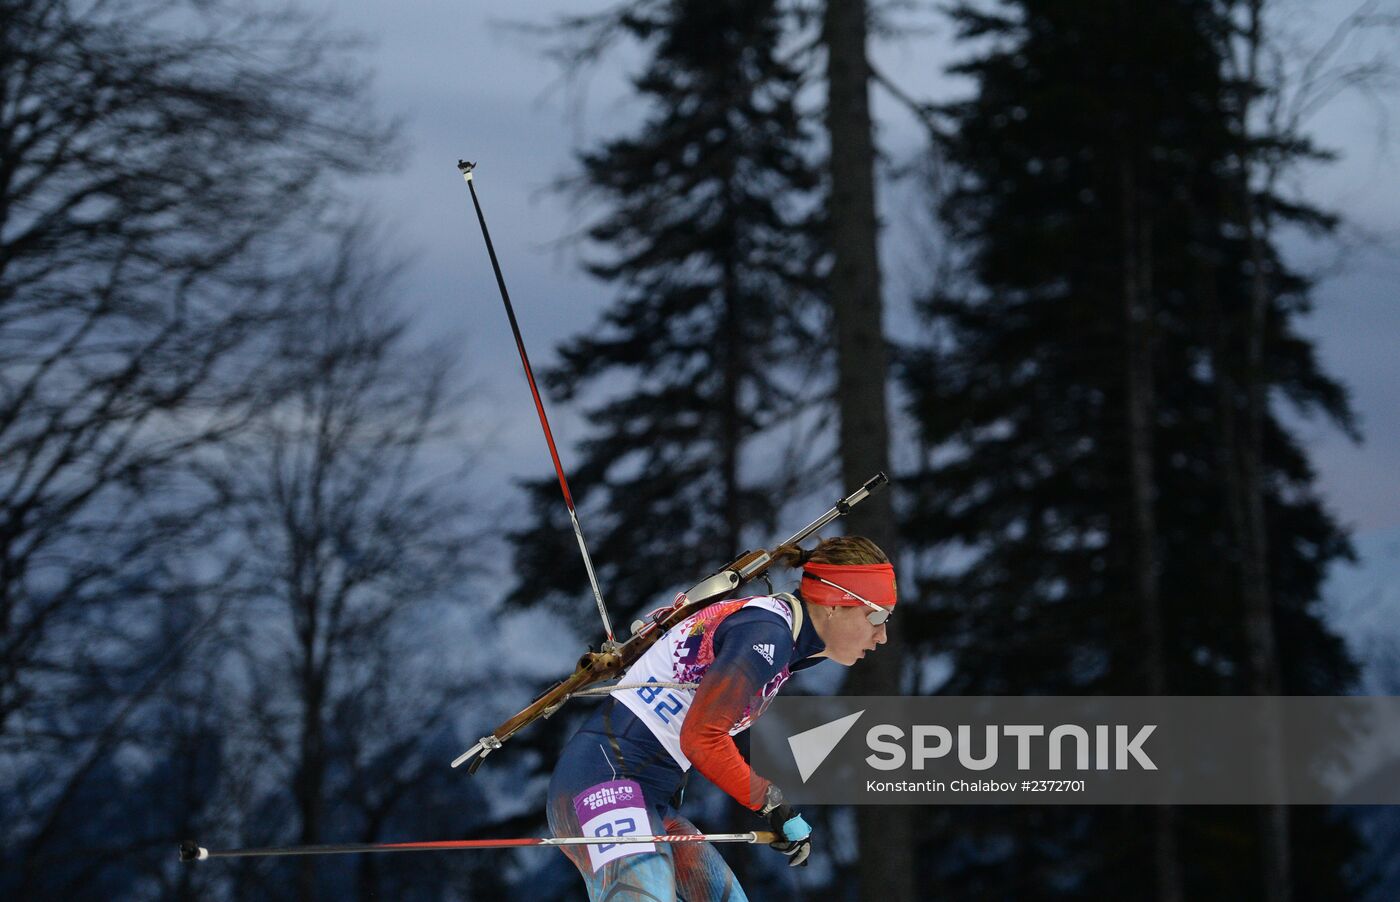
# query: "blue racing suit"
620 772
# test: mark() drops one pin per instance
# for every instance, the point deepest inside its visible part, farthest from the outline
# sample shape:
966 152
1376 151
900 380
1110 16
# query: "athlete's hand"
794 833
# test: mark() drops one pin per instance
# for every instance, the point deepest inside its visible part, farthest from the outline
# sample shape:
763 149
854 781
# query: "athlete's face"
848 633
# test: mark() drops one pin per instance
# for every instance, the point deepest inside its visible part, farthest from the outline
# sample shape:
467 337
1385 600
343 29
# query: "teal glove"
795 832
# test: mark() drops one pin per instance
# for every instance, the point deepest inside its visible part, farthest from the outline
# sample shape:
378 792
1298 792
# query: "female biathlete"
620 771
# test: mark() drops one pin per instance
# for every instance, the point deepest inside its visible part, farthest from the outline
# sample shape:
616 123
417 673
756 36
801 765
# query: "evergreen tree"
1082 411
713 241
703 372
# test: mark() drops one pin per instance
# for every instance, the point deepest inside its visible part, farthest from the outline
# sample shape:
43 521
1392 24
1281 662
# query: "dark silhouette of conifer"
712 238
1085 409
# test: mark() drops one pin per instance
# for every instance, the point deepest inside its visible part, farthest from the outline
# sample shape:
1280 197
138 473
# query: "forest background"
1107 288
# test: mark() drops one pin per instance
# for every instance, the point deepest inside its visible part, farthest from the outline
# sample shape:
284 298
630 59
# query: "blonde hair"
836 550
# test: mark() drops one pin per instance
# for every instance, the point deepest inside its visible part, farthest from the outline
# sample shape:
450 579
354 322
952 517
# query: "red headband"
874 582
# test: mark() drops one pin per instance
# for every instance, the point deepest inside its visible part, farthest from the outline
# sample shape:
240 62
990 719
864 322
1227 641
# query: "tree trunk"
731 434
310 777
886 841
1147 564
309 803
1254 571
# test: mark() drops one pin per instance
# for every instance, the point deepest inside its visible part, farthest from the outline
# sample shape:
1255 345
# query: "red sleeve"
731 683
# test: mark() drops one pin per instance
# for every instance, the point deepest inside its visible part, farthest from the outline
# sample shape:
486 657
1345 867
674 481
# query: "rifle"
596 666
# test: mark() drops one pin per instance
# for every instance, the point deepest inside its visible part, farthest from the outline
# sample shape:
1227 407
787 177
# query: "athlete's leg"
702 874
620 873
584 801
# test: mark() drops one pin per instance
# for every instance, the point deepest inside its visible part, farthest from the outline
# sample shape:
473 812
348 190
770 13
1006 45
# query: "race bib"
614 808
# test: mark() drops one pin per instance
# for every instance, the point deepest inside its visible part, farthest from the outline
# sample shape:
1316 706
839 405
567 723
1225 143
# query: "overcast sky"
467 87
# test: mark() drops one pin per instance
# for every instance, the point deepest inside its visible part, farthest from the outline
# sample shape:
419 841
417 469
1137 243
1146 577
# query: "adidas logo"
766 651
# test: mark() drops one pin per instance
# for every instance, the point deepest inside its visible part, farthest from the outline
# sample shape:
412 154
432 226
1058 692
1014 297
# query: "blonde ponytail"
838 550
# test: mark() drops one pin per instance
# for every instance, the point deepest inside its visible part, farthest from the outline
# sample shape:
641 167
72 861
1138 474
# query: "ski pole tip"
192 851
